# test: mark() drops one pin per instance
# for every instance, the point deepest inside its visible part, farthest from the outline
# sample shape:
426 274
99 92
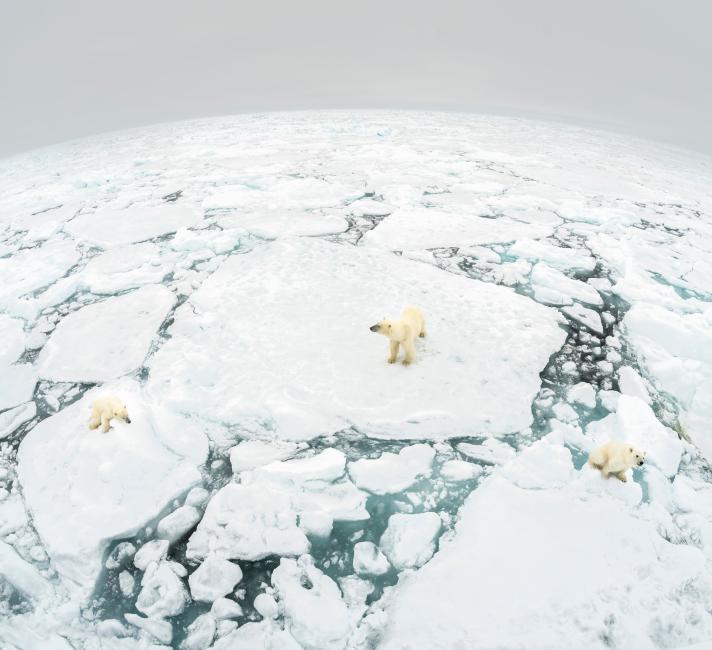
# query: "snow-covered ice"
284 376
393 472
105 340
213 579
220 276
409 540
111 484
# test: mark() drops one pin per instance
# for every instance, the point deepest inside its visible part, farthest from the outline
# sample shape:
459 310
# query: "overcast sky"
73 68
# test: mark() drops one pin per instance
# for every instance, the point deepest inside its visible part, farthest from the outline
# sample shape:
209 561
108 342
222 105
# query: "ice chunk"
409 540
369 207
126 583
13 418
311 604
197 497
393 472
560 258
635 422
556 530
368 559
280 195
163 593
112 483
490 451
631 383
266 606
419 228
250 523
251 636
224 608
545 276
177 524
120 555
109 228
22 575
275 505
17 384
587 317
32 269
106 339
328 465
161 630
201 633
459 470
677 350
564 412
541 465
583 393
255 453
277 224
213 579
220 374
153 551
12 339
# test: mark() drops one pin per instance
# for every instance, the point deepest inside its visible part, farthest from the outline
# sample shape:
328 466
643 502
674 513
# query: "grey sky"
72 68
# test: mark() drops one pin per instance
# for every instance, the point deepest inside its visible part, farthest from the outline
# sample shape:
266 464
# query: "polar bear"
616 457
104 409
402 332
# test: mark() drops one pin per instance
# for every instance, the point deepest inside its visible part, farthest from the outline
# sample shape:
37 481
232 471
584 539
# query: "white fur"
402 332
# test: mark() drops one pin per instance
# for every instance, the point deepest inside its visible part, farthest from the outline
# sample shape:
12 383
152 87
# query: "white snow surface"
111 484
393 472
287 376
105 340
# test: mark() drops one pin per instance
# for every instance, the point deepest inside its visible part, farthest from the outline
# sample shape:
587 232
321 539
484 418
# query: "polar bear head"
635 457
384 327
121 413
395 330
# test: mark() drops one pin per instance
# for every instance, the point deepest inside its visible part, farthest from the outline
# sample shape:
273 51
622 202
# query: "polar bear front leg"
94 421
105 422
393 351
423 332
409 349
621 475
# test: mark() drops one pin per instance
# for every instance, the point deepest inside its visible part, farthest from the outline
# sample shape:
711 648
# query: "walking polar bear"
104 409
402 332
616 457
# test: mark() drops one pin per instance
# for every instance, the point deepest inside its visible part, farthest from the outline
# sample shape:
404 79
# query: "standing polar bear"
402 332
616 457
104 409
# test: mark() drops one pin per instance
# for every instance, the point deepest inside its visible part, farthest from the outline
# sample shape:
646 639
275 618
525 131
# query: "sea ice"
311 603
393 472
582 393
292 380
459 470
368 559
175 525
213 579
409 540
109 228
112 484
17 384
490 451
163 593
423 228
250 454
522 544
107 339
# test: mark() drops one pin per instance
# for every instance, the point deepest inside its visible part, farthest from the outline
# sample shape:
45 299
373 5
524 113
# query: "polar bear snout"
640 462
374 328
128 421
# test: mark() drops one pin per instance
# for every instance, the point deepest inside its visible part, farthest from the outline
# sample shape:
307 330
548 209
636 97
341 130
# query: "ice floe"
105 340
287 376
